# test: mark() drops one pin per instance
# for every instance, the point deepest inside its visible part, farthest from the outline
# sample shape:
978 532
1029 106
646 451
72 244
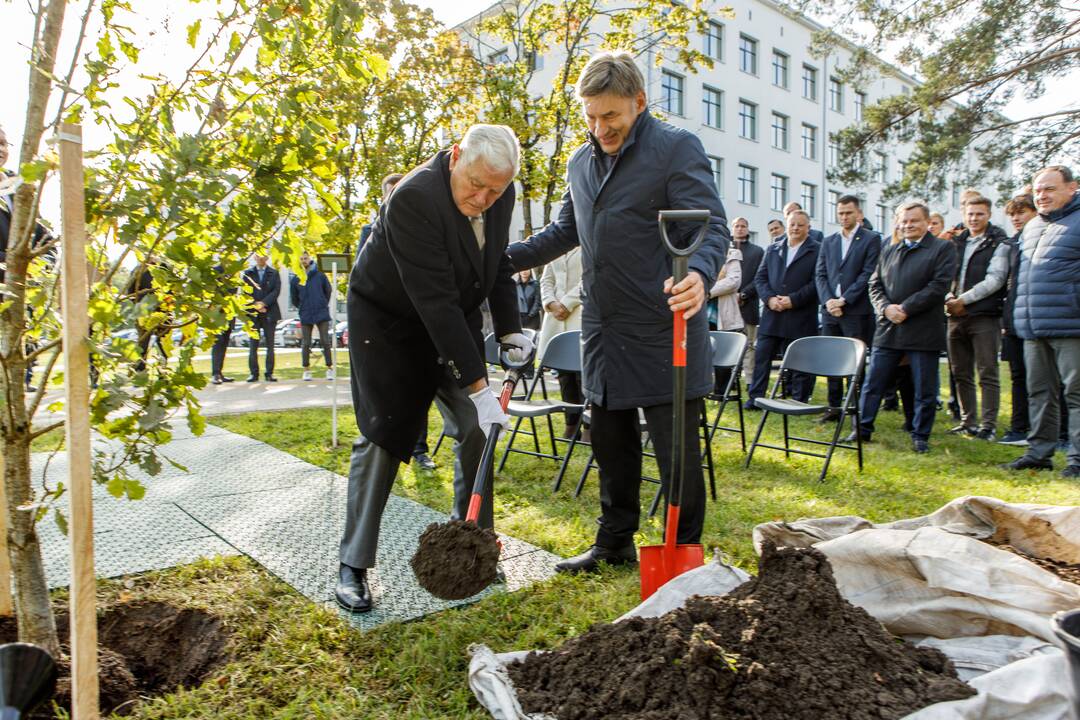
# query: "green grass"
296 660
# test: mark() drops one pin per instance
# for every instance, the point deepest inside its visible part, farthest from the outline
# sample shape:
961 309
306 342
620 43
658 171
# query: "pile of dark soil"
456 559
1066 571
145 649
783 646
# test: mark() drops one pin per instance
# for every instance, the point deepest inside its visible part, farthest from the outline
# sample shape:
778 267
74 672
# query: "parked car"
345 337
316 340
288 333
239 338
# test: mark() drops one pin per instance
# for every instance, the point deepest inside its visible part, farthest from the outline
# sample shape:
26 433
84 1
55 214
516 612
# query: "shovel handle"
483 470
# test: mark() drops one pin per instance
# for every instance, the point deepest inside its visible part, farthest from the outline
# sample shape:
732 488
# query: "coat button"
476 285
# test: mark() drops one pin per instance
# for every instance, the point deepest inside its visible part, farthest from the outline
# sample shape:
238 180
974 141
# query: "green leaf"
193 32
55 407
290 161
61 520
115 486
134 489
33 171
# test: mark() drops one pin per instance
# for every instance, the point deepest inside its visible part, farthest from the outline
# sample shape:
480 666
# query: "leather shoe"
424 462
253 378
1026 463
920 446
271 378
962 430
352 592
589 561
225 379
829 415
852 437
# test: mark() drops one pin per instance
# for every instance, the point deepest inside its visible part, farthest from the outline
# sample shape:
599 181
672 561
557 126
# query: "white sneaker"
329 373
307 374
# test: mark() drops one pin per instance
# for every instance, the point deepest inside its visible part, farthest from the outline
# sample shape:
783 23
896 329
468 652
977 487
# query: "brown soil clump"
456 559
145 649
1066 571
783 646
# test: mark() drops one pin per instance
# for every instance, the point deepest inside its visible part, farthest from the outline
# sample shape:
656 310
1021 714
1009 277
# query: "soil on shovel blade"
456 559
1066 571
145 649
785 645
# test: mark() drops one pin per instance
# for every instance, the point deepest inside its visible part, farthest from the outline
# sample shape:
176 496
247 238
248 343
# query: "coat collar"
464 228
1069 208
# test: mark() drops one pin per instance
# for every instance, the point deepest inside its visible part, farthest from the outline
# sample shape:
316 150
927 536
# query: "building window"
779 69
778 193
834 199
809 199
809 83
717 165
836 95
671 89
748 185
881 220
779 131
753 237
747 120
956 195
901 166
881 168
499 57
809 142
860 103
714 41
712 105
748 54
834 151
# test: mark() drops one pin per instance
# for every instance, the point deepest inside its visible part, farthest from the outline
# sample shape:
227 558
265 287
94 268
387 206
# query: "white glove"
488 410
522 347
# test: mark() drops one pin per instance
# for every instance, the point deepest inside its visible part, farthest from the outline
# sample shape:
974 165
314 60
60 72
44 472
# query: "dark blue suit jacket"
851 273
774 277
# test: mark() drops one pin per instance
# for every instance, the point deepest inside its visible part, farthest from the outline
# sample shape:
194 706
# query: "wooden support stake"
75 293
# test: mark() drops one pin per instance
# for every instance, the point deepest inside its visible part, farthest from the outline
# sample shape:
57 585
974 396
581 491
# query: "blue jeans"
924 371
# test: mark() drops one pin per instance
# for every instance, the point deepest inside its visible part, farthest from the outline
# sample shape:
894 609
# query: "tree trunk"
33 612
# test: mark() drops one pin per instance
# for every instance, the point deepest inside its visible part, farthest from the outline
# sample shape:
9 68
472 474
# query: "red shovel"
661 563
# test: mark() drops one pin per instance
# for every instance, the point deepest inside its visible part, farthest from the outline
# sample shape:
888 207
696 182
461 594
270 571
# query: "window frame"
745 40
786 146
812 78
751 181
743 103
836 94
785 190
716 165
665 96
708 37
812 155
809 205
786 66
860 105
706 90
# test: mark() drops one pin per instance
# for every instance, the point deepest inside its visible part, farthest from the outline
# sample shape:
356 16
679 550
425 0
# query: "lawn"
295 660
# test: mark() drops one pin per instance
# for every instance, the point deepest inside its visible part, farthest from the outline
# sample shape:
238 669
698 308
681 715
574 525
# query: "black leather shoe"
962 430
920 446
828 416
852 437
1025 463
352 591
253 378
589 561
271 378
225 378
424 462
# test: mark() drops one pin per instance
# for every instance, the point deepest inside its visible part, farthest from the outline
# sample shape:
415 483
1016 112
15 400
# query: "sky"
165 22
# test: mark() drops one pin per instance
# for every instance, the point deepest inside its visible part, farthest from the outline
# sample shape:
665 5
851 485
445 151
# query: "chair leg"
742 421
566 459
509 444
655 502
858 436
832 447
551 435
757 436
708 451
787 441
535 437
438 443
584 474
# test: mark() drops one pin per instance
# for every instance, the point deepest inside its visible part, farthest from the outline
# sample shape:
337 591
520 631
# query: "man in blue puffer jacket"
312 299
1047 317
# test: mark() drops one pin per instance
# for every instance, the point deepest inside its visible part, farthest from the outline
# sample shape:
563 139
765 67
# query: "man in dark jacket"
221 342
845 263
785 283
1047 317
265 284
312 300
749 304
907 291
437 250
631 167
1020 210
974 306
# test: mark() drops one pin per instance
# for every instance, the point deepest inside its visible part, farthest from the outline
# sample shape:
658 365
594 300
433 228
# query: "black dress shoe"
424 462
589 561
270 378
962 430
352 592
224 378
1026 463
829 415
853 436
253 378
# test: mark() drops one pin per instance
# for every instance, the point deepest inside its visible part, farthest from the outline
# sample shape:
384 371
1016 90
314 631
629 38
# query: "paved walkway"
241 496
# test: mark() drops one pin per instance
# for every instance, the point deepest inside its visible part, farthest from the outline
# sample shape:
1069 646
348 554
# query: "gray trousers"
1053 364
325 338
974 343
748 359
372 471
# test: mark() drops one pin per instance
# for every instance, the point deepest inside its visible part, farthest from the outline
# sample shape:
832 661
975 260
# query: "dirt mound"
783 646
456 559
145 649
1066 571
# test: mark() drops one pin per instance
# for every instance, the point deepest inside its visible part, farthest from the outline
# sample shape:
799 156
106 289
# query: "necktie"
478 230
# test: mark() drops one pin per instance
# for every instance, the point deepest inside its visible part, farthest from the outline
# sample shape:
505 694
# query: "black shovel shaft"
487 458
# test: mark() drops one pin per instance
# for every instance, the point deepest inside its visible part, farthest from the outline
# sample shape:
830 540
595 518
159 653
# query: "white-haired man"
436 252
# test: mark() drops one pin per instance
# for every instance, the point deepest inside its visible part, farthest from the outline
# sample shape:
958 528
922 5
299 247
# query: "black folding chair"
830 357
562 354
729 349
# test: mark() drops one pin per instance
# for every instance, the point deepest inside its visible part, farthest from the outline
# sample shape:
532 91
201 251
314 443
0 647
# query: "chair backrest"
491 350
727 348
826 356
563 352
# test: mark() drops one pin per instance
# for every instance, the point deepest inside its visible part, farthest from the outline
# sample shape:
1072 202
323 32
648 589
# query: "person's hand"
558 310
260 306
774 304
520 350
488 410
955 307
895 313
688 295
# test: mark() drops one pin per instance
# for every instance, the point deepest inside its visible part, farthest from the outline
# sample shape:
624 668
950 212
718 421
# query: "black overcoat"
916 279
414 304
751 261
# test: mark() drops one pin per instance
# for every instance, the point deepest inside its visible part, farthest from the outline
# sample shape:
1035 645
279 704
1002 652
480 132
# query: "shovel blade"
661 563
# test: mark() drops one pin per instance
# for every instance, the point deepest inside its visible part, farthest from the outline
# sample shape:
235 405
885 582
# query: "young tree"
972 59
519 42
201 170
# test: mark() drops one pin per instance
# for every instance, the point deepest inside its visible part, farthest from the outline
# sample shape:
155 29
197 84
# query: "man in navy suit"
265 315
845 263
785 283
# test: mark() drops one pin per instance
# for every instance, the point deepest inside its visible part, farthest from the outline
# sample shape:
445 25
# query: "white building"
765 113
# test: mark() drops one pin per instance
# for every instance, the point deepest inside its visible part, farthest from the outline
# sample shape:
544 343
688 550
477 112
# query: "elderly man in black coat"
785 283
436 252
631 167
907 291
